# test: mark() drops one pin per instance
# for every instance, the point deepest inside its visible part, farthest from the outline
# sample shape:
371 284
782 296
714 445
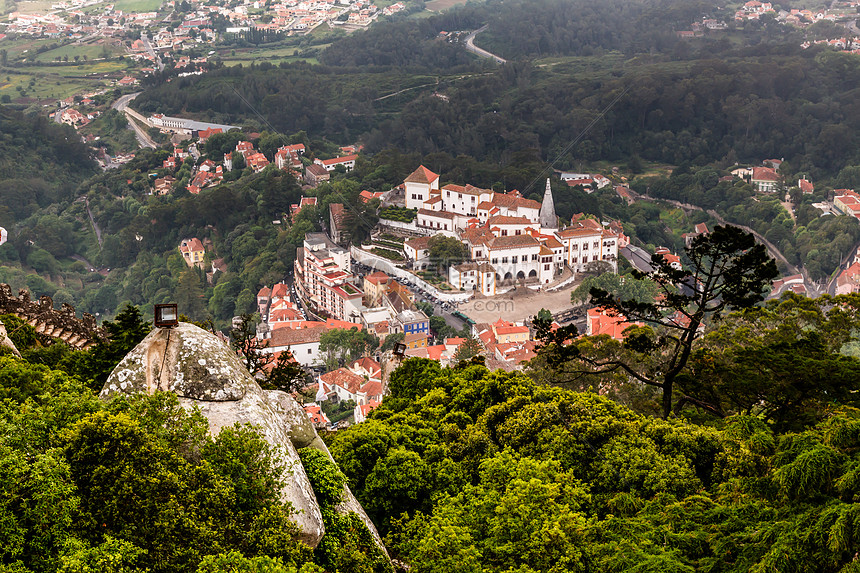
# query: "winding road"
812 287
142 137
470 46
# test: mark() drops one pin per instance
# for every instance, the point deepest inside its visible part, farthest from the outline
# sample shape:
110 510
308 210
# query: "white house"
417 250
468 276
418 186
586 241
303 343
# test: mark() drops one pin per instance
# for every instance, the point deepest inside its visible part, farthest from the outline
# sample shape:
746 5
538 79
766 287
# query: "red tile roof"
345 379
764 174
422 175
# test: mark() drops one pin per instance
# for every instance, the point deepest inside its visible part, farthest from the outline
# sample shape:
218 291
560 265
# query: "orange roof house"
192 252
601 322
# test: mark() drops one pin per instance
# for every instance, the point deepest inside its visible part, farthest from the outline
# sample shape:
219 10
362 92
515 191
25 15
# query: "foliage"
134 485
348 545
274 371
494 473
467 350
782 362
728 270
340 346
447 251
624 287
40 163
123 334
401 214
391 341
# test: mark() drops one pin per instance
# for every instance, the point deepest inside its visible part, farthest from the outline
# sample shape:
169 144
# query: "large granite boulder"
303 435
205 373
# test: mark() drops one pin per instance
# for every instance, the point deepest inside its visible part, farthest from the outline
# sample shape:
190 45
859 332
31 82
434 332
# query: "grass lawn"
236 60
44 87
72 70
127 6
34 7
439 5
91 51
24 47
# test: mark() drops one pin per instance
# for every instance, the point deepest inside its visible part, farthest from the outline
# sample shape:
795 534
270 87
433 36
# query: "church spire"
548 219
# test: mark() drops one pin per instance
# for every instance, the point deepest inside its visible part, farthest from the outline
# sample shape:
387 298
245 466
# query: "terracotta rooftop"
441 214
289 336
422 175
345 379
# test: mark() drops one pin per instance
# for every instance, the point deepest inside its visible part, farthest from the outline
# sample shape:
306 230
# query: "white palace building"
509 237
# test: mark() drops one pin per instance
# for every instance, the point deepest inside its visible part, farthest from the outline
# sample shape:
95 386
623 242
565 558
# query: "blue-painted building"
414 322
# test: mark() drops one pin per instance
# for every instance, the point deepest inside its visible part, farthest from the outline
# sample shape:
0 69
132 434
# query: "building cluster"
847 202
509 238
765 178
208 174
360 382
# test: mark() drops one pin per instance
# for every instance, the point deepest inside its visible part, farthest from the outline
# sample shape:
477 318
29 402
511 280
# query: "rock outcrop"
7 342
303 435
206 373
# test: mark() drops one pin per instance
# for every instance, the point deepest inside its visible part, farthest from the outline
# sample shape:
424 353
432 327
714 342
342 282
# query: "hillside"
41 163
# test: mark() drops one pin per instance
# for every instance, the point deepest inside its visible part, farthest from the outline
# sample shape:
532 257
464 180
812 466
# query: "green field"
44 87
128 6
439 5
57 82
30 7
90 51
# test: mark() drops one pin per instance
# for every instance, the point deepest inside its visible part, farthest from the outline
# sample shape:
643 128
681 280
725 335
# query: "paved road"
811 287
122 103
470 45
142 137
639 258
148 47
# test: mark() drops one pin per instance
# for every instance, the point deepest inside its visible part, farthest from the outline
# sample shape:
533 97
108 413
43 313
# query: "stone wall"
63 323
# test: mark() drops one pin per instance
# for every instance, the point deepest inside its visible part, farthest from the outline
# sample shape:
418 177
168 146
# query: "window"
596 244
459 195
504 260
473 198
514 260
574 247
546 267
447 193
585 259
534 257
495 261
574 259
309 350
518 232
477 254
504 232
585 247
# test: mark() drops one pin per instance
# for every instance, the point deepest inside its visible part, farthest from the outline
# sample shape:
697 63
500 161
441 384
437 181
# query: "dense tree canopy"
138 484
468 470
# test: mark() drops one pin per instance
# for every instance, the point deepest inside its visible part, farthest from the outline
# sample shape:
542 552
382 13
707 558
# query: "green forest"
461 469
137 485
588 86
